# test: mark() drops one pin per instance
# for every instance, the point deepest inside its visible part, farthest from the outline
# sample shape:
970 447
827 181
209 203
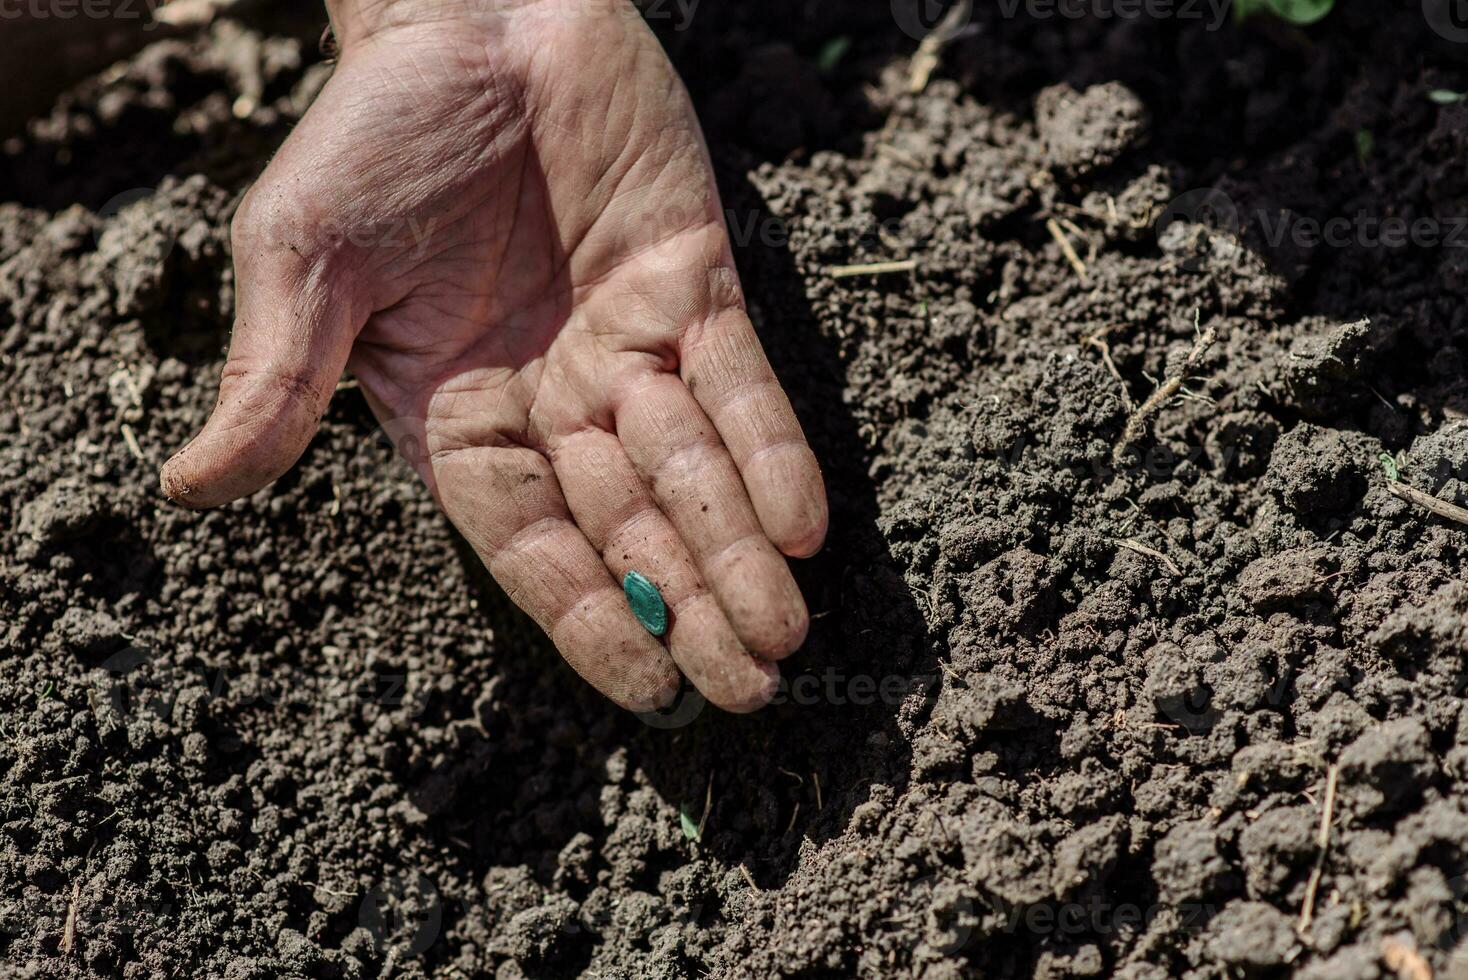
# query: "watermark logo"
1214 13
1096 915
920 18
831 687
405 453
1455 916
1192 709
1447 18
687 706
403 914
120 685
950 917
1207 210
678 14
1215 219
82 9
119 203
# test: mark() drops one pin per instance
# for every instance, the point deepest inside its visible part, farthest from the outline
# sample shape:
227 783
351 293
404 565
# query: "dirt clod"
305 735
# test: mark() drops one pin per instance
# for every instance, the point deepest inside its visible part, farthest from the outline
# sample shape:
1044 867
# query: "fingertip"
655 690
787 636
180 484
175 487
204 475
789 497
704 644
752 694
260 427
805 542
760 598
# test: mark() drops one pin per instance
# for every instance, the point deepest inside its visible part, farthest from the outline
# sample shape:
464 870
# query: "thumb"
294 327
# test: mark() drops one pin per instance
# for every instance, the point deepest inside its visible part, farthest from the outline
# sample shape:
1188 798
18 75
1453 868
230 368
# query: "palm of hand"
560 330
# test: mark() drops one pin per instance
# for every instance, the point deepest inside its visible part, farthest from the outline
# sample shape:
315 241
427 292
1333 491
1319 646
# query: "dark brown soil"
1065 711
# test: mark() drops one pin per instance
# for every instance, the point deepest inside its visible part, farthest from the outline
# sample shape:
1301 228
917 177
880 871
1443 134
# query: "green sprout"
1301 13
689 825
1390 465
693 829
1365 145
50 687
831 54
1446 96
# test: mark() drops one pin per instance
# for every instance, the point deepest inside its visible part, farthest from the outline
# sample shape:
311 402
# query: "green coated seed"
646 602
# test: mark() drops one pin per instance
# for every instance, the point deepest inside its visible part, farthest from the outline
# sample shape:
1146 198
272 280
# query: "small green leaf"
1301 12
50 686
831 54
1244 9
689 825
1390 465
1446 96
1365 145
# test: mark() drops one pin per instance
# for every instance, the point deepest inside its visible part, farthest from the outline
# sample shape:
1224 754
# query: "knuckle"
276 227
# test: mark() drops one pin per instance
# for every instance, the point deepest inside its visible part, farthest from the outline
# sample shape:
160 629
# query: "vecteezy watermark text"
833 687
1214 213
81 9
1213 13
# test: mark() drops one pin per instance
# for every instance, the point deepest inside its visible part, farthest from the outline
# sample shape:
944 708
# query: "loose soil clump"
1083 696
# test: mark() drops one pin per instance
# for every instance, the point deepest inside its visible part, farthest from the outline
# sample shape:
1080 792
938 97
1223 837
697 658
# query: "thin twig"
930 48
1142 549
129 437
749 879
1066 248
816 779
1322 844
1075 230
1136 426
871 269
68 933
1428 502
901 156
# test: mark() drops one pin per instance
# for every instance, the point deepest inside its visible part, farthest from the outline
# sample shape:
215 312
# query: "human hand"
562 330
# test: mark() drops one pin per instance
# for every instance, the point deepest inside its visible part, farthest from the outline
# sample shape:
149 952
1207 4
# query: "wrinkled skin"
504 224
